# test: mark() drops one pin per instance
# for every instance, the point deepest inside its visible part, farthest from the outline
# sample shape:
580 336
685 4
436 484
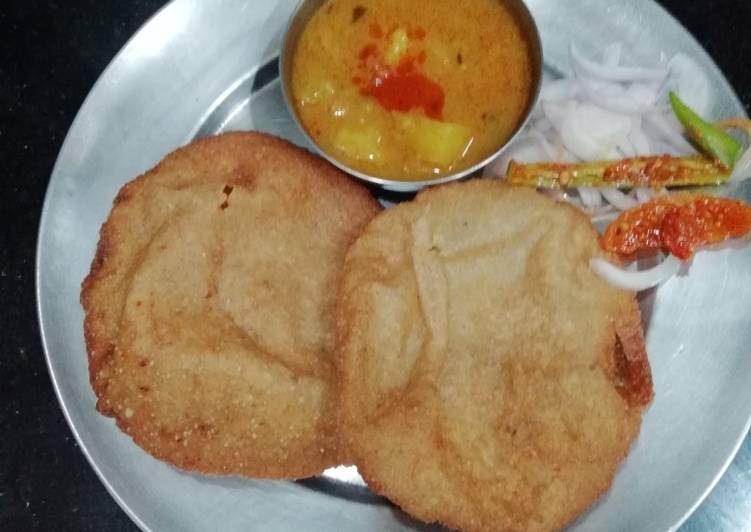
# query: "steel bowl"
300 18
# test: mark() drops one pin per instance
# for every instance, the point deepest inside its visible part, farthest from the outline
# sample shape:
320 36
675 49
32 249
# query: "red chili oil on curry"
402 91
402 88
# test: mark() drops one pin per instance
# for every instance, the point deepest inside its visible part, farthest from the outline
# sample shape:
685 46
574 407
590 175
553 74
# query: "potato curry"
411 90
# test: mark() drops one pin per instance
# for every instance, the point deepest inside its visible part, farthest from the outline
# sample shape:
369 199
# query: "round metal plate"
199 68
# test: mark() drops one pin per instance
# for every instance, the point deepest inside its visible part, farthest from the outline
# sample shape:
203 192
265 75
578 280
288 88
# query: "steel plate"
198 68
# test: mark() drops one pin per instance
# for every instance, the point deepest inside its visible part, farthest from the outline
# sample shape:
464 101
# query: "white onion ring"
592 133
626 148
561 90
556 113
605 216
591 197
637 137
670 133
611 55
582 65
619 103
543 142
618 199
644 194
635 281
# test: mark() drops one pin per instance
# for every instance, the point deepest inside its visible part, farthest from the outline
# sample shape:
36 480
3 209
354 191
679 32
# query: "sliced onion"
637 137
626 148
618 199
611 55
544 144
605 215
556 112
644 194
591 197
666 128
541 124
561 90
648 93
614 98
586 67
639 280
592 133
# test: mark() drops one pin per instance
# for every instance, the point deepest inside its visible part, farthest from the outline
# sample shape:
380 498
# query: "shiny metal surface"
300 18
198 68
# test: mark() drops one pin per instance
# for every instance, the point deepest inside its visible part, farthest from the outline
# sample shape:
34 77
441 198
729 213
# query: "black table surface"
52 53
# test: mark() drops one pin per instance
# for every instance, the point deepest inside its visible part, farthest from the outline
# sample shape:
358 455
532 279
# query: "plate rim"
43 227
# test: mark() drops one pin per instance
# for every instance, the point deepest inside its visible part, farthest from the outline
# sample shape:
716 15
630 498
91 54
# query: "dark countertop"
52 53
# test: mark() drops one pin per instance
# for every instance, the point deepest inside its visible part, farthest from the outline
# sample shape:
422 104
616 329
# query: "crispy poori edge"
624 360
633 373
101 337
348 420
99 343
627 364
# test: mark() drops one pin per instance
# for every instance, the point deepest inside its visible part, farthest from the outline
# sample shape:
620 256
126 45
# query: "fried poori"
489 380
209 306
